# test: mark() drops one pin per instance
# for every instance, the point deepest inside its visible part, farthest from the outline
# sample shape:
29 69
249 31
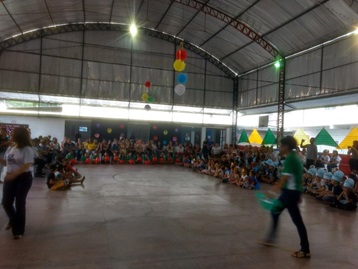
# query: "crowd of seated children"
251 166
348 198
62 175
135 151
335 189
115 151
243 168
316 183
270 174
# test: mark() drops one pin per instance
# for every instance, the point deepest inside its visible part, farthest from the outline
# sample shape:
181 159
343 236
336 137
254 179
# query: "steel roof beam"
12 17
13 41
240 26
140 7
192 18
49 13
237 17
278 27
84 10
165 13
111 13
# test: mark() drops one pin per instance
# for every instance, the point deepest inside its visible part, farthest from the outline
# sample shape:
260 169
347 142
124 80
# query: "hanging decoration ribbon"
179 66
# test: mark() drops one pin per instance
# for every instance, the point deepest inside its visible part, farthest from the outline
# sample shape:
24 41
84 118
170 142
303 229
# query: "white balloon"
179 89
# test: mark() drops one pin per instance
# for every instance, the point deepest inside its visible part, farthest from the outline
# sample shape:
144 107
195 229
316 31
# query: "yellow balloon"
179 65
145 96
109 130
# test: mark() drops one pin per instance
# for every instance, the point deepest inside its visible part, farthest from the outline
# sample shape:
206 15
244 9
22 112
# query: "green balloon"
150 99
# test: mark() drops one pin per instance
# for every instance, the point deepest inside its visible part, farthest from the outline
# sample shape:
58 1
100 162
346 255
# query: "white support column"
228 138
192 137
203 135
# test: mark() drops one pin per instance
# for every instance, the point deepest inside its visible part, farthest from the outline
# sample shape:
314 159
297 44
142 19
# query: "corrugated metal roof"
290 26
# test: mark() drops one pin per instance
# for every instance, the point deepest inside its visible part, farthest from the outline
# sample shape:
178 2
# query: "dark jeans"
40 166
353 164
309 162
17 190
289 199
331 166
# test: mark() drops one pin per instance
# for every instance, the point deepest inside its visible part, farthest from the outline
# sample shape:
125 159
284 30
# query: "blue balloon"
182 78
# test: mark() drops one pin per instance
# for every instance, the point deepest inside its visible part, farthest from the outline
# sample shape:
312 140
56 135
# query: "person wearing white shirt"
18 180
216 150
334 161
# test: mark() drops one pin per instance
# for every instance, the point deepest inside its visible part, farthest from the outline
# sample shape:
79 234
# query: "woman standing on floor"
18 158
290 186
4 143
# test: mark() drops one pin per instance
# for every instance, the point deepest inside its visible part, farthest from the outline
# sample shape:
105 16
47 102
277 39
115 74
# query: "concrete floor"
167 217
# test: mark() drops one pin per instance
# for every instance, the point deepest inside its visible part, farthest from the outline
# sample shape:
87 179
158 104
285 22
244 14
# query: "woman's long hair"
21 137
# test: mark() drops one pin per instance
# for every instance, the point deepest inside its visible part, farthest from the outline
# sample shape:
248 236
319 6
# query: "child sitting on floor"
240 182
235 176
208 169
256 183
55 181
336 187
219 171
308 178
247 181
201 166
347 199
326 188
226 175
250 181
316 182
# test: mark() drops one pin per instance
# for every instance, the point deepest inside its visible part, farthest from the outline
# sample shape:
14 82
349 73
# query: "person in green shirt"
290 188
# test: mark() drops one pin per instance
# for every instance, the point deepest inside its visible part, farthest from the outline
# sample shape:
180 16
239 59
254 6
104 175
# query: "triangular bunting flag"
348 140
255 137
243 138
324 138
299 135
269 138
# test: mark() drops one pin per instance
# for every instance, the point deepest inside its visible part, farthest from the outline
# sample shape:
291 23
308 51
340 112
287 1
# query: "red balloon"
73 161
148 84
154 159
161 160
139 159
106 158
177 160
98 160
147 162
115 158
170 160
181 55
131 161
121 162
88 161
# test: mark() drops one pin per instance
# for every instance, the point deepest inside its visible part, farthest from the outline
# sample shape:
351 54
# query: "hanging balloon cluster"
179 66
146 97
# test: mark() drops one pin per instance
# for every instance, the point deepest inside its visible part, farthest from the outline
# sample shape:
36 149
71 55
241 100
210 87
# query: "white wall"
39 125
